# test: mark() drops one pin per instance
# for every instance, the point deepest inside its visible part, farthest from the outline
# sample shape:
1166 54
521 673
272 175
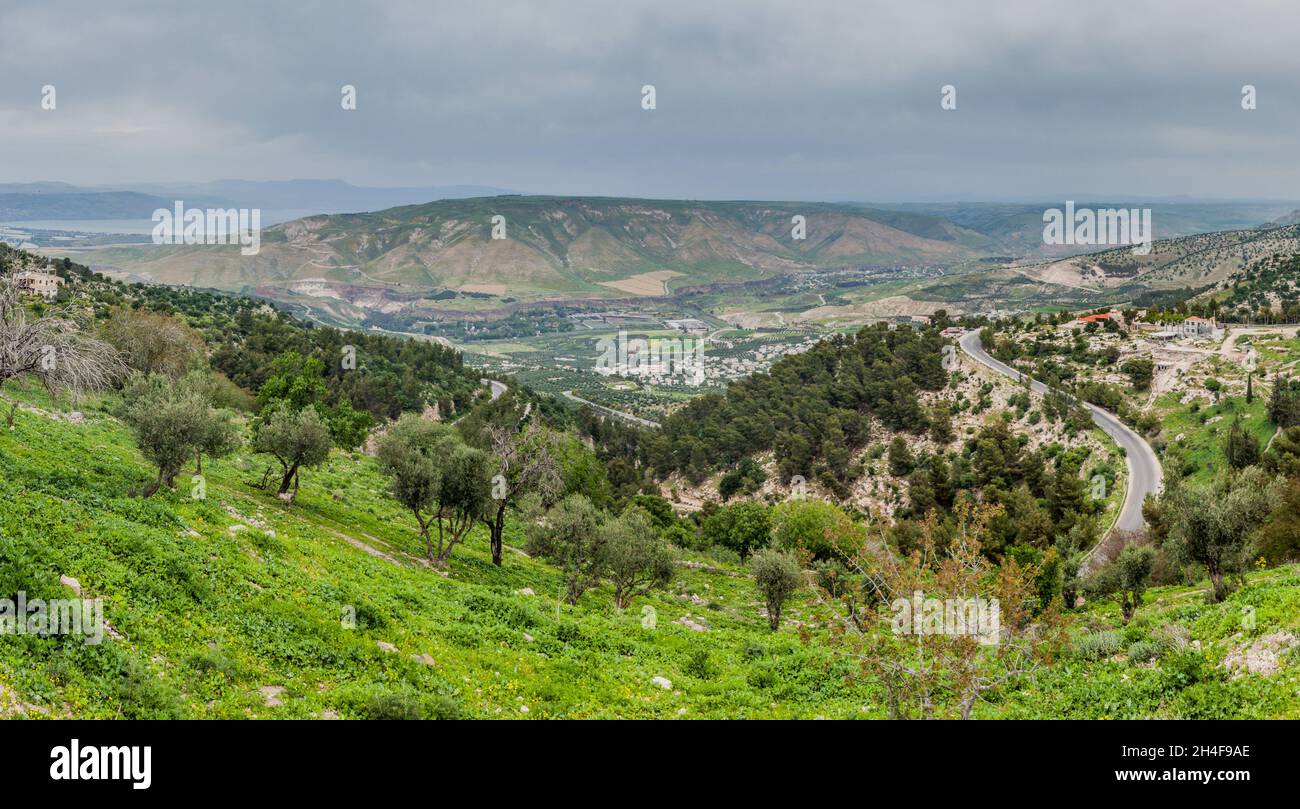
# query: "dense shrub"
1097 645
408 704
1144 651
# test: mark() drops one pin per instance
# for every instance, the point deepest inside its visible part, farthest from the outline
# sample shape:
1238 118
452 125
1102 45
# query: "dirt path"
370 550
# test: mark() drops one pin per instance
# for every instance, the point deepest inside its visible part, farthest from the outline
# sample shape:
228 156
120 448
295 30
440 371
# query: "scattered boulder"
71 583
663 682
386 646
691 624
1263 656
271 695
425 659
527 591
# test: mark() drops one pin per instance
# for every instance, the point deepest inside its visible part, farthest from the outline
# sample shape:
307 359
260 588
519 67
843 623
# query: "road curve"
1144 473
609 411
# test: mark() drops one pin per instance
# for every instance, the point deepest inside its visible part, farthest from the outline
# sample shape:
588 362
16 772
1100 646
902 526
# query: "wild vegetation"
488 562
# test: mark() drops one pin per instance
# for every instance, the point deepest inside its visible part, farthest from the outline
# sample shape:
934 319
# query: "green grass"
1203 435
1273 349
1186 684
1116 492
207 615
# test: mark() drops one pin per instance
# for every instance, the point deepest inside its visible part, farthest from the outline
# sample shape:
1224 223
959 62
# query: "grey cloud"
758 99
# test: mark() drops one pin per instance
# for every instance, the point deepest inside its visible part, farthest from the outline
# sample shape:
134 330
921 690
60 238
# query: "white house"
1194 327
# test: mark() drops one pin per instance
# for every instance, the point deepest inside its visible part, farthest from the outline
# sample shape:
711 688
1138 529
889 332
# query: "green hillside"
233 606
218 598
225 598
1018 227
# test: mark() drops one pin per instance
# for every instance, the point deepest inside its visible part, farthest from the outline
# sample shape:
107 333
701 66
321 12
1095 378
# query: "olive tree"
464 495
407 454
215 436
172 424
777 577
439 479
636 557
1126 578
1213 528
296 439
568 536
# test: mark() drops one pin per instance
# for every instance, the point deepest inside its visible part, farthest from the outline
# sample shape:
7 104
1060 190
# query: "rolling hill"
1209 262
1018 227
565 246
1199 260
407 264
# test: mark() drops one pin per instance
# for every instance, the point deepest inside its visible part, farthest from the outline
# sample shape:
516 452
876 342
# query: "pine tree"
1241 448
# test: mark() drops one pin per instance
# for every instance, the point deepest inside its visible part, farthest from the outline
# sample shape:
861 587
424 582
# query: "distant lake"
131 227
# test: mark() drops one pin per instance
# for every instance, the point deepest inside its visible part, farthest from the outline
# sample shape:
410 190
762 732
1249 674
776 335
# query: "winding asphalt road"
619 414
1144 474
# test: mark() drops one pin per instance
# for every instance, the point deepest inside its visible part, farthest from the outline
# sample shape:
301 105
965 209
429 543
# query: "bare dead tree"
52 347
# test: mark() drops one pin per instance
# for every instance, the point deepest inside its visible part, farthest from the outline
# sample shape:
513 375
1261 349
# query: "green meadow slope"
233 606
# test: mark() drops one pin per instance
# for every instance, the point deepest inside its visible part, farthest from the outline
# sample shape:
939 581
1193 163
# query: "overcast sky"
802 99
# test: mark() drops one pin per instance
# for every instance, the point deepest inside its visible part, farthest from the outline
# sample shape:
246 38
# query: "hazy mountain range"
21 202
